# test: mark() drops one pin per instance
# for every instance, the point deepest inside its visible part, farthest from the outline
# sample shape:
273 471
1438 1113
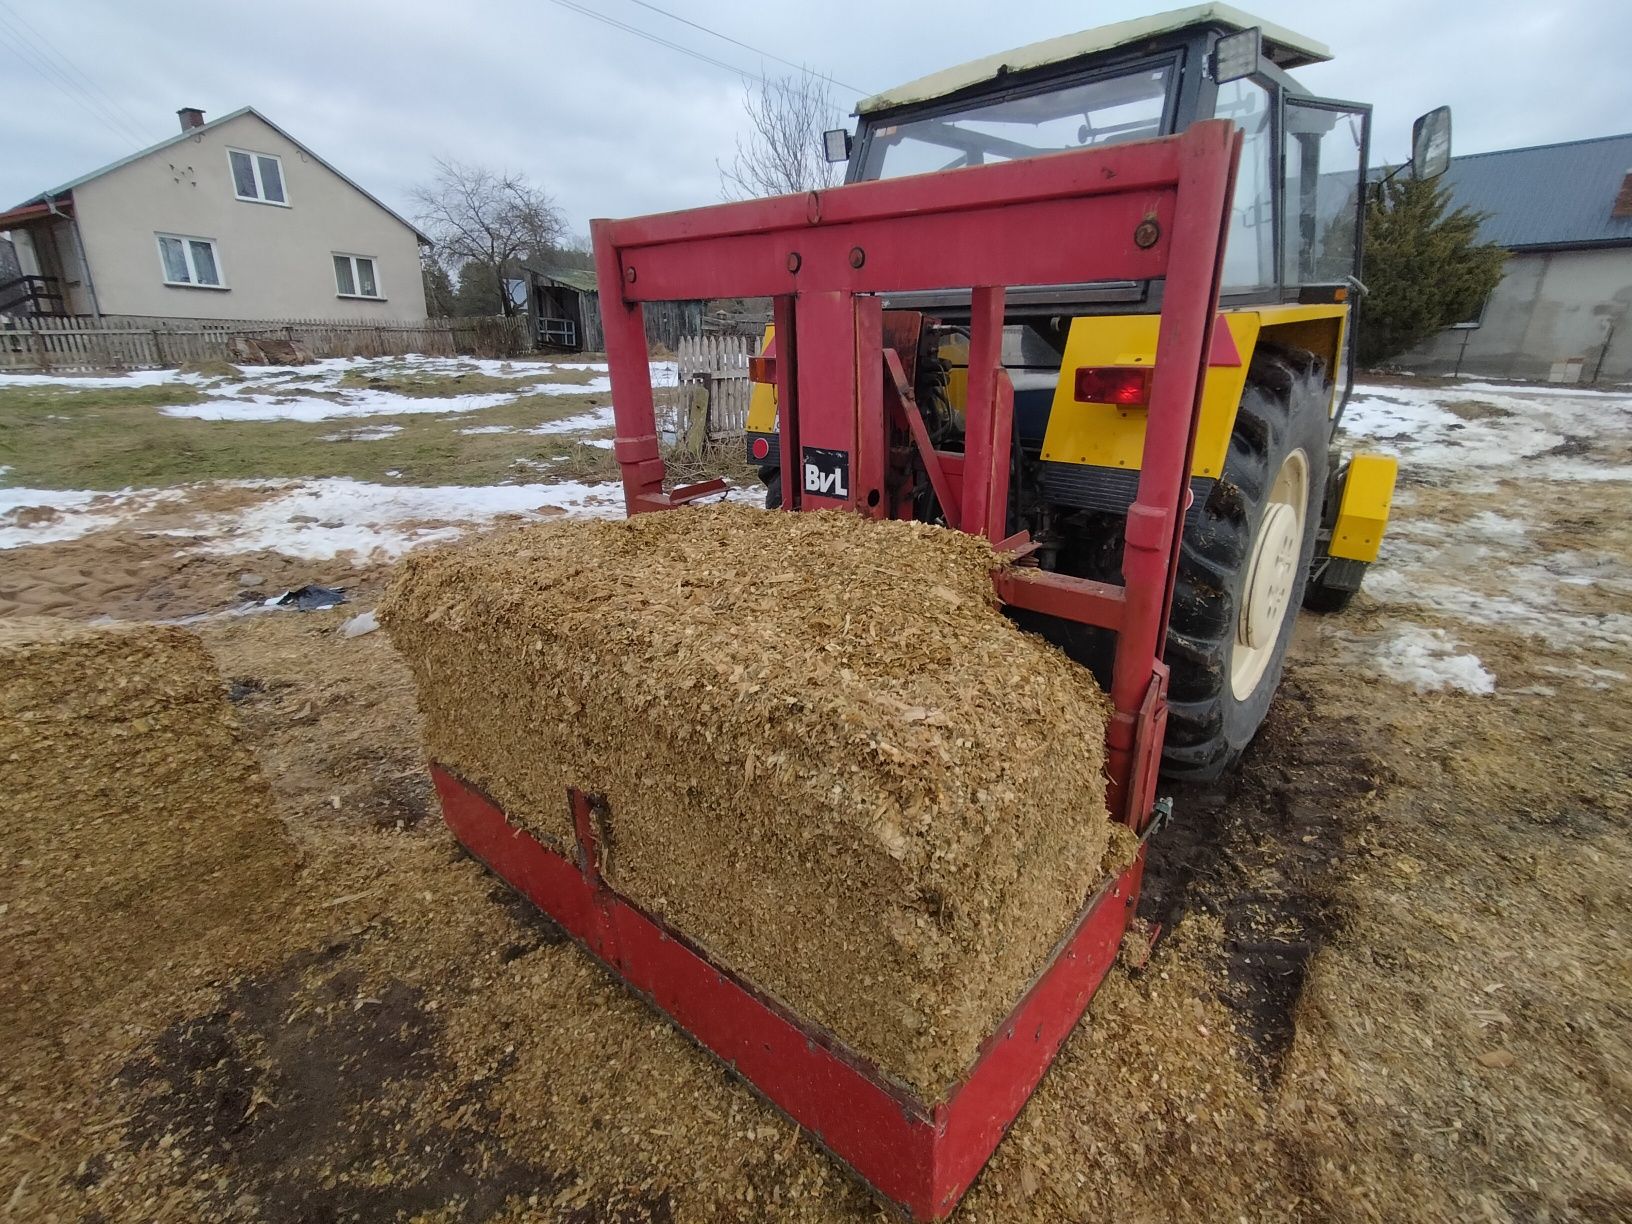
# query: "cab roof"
1284 48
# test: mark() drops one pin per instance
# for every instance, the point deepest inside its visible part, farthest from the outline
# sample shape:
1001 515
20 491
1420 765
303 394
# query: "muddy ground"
1397 982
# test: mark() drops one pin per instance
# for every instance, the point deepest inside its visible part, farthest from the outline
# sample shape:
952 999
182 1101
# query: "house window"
354 277
257 176
190 261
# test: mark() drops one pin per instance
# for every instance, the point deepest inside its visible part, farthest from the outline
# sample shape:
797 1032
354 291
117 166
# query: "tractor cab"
1296 223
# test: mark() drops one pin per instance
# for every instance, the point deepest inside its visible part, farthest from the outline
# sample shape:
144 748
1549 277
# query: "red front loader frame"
1154 210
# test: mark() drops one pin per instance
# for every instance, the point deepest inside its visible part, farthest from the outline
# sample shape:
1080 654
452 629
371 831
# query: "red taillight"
762 369
1113 385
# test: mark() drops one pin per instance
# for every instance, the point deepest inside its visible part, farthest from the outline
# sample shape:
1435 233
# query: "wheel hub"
1272 572
1269 580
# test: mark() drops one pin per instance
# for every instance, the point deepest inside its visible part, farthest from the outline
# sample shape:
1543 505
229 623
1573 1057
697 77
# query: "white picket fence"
710 401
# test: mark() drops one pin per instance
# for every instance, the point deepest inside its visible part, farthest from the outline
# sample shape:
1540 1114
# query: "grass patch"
113 438
580 461
25 403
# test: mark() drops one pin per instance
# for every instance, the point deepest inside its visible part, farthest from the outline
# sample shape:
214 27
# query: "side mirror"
836 145
1431 144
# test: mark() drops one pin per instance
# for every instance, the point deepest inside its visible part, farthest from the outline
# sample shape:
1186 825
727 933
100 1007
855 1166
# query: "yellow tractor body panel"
1113 436
762 397
1362 516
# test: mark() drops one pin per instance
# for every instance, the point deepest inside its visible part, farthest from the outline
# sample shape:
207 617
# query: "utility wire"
43 69
50 51
650 37
739 43
674 46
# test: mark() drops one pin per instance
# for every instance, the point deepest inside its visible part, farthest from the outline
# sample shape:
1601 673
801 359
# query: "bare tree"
490 218
782 149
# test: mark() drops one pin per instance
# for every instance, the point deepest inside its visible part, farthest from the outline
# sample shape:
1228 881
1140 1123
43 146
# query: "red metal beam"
1089 239
783 318
1129 169
1077 599
985 359
906 407
1183 344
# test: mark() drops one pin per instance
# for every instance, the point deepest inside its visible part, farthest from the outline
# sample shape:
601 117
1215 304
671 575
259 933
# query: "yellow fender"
1362 515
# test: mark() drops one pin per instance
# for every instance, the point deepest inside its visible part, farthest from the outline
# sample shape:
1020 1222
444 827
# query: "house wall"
1550 306
276 262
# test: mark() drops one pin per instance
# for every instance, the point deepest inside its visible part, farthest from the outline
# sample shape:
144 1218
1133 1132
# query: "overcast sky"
612 125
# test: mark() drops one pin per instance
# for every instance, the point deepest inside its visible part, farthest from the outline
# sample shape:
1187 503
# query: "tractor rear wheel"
1244 564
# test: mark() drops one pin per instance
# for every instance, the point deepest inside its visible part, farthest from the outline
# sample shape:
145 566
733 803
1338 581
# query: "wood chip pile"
828 758
136 823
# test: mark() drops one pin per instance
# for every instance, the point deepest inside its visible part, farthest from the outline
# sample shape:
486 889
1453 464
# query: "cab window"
1249 252
1324 144
1128 106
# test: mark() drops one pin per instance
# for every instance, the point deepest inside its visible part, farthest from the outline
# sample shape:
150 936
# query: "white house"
231 219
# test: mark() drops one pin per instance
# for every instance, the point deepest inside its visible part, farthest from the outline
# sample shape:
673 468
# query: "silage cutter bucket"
1148 211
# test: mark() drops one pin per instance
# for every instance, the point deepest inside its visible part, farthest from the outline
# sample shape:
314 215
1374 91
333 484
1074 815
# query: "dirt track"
1397 984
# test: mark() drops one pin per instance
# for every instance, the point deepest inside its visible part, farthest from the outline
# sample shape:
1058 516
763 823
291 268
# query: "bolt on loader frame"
1155 210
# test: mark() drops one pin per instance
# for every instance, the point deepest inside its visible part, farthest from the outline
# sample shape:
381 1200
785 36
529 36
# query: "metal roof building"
1557 197
1563 311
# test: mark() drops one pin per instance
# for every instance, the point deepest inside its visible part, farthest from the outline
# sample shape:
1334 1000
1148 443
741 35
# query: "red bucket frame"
1154 210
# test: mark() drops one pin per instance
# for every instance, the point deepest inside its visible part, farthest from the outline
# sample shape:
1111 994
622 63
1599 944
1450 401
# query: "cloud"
613 125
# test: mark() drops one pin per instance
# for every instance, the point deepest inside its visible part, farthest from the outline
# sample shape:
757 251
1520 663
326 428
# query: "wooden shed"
565 307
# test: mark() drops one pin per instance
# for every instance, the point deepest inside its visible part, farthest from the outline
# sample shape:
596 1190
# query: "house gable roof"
65 188
1557 195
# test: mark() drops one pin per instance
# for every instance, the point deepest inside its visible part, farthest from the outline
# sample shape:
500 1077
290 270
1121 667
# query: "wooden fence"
710 402
78 343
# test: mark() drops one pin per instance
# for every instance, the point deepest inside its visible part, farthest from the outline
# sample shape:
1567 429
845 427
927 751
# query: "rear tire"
773 487
1244 565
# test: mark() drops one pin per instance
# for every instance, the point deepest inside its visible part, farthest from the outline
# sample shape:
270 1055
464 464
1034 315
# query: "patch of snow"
135 378
357 403
1551 390
600 418
78 511
595 386
1541 432
1427 566
488 429
1488 524
323 519
363 622
1425 659
365 433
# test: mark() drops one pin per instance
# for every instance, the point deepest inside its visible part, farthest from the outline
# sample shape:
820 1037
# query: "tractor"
1279 516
